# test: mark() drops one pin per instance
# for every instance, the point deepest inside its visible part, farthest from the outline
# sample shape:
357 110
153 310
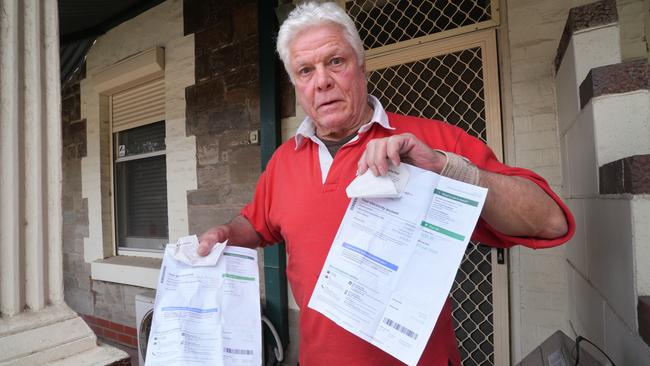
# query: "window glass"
141 188
141 140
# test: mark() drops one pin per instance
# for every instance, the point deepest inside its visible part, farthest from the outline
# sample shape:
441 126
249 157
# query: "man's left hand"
399 148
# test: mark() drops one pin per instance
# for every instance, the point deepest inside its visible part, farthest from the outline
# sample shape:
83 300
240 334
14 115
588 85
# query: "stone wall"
212 166
161 26
223 108
76 272
633 15
112 304
87 204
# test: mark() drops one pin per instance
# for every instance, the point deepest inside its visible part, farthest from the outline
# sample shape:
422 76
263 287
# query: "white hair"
310 14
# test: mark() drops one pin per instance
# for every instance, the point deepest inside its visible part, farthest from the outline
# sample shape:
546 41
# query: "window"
141 188
140 168
128 94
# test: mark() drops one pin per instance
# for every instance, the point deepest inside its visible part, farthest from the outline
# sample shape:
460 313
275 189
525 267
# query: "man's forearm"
514 206
518 207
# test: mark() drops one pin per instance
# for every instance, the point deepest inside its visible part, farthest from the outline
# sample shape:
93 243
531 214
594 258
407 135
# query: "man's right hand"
211 237
397 148
238 231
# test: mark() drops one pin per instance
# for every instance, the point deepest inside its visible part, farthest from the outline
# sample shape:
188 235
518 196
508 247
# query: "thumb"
204 248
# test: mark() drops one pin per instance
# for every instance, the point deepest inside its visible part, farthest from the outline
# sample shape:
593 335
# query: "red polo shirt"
292 204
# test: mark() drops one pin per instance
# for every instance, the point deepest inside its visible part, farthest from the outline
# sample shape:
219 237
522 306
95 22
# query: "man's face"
330 85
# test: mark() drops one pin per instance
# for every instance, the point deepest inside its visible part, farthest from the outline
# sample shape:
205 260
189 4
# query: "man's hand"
398 148
211 237
238 231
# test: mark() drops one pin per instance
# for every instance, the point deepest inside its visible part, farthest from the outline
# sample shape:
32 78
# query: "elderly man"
300 198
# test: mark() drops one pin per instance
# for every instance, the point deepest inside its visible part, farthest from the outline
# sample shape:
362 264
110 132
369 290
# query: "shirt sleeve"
258 211
483 157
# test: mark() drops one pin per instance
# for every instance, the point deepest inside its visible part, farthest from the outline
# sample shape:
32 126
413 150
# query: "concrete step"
102 355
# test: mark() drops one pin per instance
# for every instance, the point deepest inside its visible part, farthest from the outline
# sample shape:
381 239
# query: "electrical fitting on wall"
254 137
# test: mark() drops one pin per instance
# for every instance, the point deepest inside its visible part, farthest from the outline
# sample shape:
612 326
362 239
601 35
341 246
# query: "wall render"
538 281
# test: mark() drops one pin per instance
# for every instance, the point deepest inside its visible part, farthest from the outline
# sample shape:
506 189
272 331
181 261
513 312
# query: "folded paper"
390 185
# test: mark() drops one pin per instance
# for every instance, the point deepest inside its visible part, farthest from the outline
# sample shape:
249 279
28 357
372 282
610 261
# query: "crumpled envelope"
390 185
185 251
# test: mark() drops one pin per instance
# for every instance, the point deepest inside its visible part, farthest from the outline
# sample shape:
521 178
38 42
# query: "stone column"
36 326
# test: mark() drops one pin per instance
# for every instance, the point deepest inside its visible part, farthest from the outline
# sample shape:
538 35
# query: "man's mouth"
329 103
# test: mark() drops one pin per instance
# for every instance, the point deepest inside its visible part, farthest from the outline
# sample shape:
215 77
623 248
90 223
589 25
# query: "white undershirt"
307 129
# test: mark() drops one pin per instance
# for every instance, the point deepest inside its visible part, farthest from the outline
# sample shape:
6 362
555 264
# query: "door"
438 59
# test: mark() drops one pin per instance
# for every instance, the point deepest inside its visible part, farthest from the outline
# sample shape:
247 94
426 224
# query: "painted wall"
538 281
606 260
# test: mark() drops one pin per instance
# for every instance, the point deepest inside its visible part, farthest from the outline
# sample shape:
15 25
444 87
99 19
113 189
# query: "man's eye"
304 71
336 61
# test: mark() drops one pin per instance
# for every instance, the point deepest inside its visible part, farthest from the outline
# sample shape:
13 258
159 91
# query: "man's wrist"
459 168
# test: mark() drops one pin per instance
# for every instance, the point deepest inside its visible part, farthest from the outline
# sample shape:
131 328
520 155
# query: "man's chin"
334 129
330 124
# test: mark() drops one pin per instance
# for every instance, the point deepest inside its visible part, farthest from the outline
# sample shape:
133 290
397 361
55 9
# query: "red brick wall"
114 332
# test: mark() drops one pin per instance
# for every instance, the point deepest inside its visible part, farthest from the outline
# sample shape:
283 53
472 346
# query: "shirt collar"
307 129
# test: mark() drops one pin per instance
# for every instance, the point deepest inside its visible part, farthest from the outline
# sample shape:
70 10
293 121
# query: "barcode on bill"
236 351
401 328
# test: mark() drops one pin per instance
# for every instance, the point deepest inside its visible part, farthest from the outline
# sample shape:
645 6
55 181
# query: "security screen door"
438 59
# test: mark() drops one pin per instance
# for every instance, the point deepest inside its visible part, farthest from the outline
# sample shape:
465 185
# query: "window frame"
119 250
136 268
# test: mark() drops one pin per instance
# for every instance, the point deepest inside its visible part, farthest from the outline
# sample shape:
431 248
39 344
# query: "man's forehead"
312 52
323 37
325 50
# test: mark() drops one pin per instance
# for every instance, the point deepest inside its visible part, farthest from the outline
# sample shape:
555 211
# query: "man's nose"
323 79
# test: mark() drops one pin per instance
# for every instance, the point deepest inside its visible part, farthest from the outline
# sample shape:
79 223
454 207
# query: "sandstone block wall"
222 108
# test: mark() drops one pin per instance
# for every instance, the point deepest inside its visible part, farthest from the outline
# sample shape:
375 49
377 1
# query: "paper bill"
207 309
393 261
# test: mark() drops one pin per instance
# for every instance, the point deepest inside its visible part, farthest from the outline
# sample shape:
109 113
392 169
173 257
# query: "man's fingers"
205 245
394 147
379 157
209 239
362 166
368 158
375 157
378 153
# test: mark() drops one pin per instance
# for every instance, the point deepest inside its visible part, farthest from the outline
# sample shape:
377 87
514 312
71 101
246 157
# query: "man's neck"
334 146
338 136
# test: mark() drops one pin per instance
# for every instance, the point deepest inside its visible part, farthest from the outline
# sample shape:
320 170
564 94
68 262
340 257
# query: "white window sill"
128 270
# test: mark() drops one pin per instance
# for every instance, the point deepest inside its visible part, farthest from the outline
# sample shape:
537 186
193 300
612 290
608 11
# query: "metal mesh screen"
450 88
384 22
472 307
